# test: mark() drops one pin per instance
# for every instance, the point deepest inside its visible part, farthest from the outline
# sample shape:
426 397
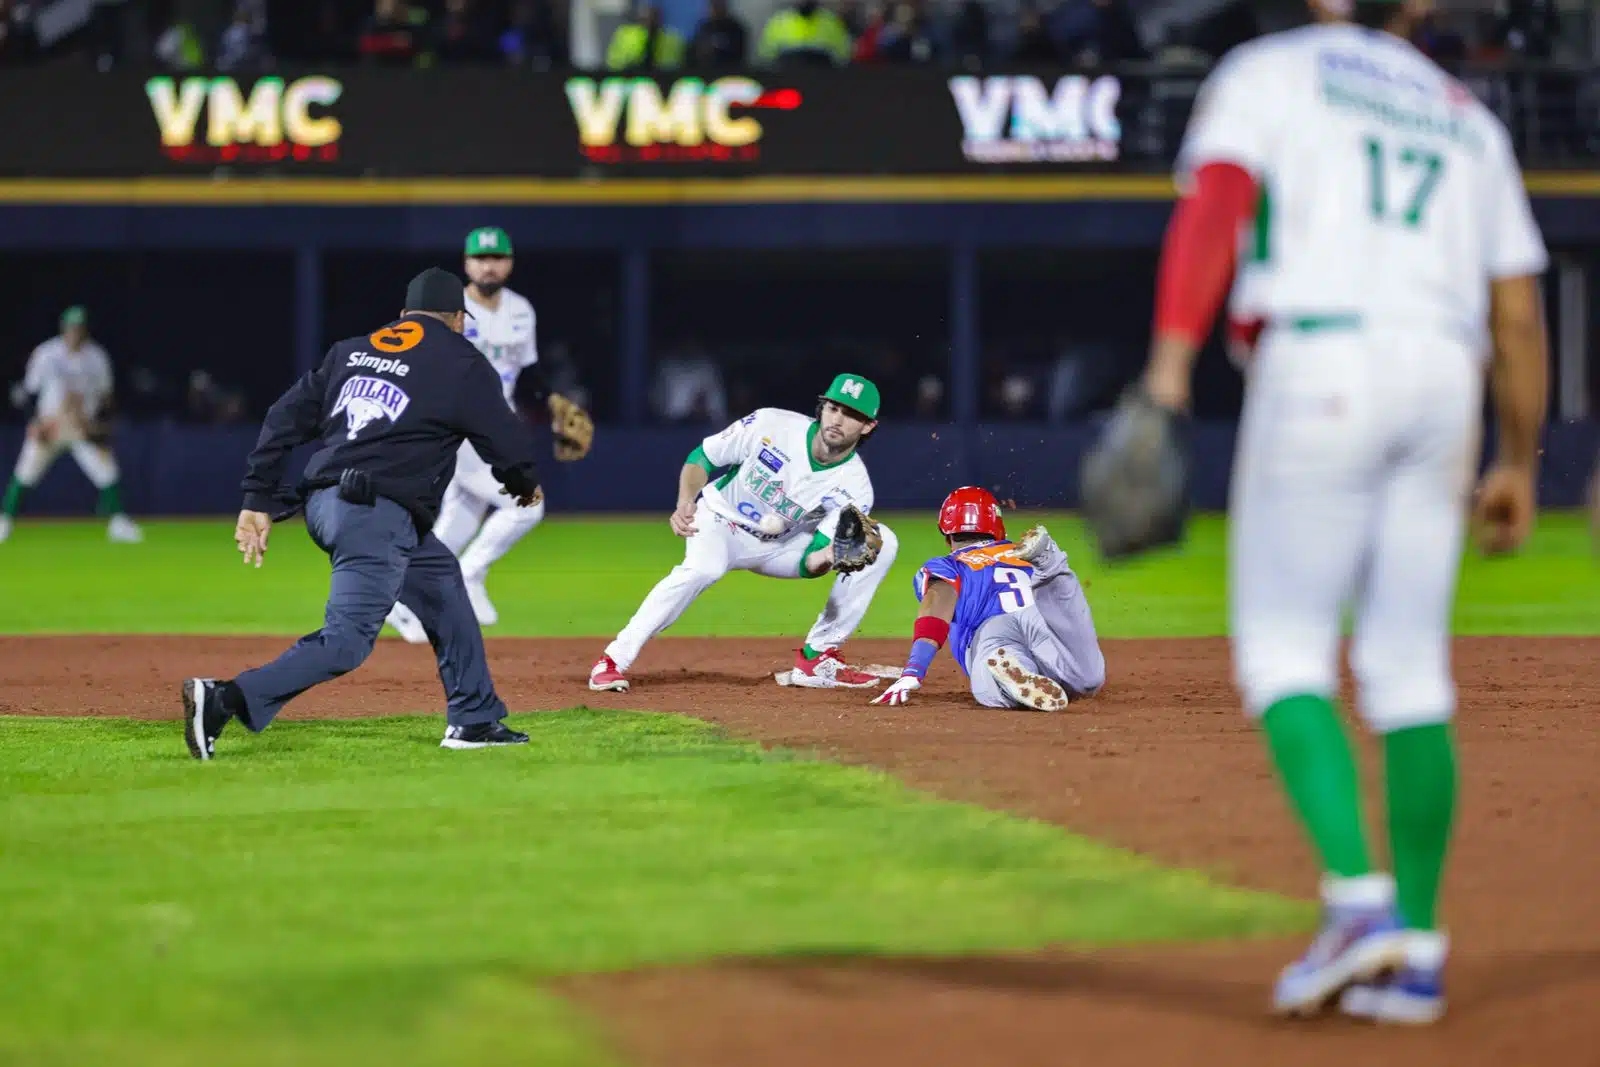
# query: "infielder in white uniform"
478 522
69 380
1393 249
773 510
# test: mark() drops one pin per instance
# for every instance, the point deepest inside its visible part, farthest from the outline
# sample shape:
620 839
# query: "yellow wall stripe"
640 191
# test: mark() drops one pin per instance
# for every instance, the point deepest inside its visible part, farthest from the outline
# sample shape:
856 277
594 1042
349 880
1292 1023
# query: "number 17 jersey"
990 580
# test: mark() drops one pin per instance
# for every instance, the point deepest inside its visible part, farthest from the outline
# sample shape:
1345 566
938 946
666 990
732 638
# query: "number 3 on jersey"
1018 591
1412 160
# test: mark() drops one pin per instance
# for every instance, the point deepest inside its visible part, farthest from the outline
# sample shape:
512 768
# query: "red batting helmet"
971 510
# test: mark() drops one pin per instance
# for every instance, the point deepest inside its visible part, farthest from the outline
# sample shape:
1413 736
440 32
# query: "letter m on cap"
851 387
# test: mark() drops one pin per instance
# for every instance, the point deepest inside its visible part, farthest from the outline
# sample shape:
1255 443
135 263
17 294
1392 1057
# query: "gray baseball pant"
377 559
1054 636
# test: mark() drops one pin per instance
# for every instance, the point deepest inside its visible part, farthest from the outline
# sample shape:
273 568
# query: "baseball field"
713 871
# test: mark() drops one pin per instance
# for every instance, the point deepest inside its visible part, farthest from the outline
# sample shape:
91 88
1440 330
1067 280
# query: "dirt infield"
1162 763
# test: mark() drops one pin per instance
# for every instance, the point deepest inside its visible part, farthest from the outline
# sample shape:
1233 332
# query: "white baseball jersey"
56 372
1390 194
505 335
774 474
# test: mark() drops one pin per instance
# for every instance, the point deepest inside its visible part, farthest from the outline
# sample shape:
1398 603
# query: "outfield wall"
173 469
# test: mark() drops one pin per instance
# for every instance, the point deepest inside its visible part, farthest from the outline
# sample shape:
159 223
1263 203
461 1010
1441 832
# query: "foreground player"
1017 619
1399 247
69 380
478 522
789 479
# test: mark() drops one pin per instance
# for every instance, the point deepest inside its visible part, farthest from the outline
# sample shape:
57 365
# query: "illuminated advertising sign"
1017 119
637 120
214 120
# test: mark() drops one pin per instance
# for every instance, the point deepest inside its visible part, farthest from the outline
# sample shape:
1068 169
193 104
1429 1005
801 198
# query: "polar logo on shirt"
365 400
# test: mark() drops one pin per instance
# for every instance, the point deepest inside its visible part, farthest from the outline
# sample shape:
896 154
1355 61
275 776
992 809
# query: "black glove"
1135 480
521 483
857 540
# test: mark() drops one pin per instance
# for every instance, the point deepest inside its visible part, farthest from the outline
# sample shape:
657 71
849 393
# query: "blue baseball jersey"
990 580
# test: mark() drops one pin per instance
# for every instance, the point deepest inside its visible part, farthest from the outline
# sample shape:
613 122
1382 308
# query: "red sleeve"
1197 256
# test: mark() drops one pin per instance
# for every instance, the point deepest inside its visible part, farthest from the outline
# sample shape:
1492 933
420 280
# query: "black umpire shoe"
203 716
482 735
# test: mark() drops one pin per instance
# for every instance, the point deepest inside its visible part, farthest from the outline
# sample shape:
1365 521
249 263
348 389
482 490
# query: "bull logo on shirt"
366 400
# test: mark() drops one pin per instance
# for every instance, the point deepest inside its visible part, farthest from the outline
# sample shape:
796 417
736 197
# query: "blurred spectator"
17 41
392 34
1096 32
463 35
643 43
534 36
868 33
908 35
1230 25
969 35
930 397
178 46
1033 40
720 40
688 388
209 402
1439 43
807 34
243 43
1528 28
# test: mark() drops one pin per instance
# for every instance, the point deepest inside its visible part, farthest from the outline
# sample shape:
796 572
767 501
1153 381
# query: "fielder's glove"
1136 478
856 541
573 429
900 692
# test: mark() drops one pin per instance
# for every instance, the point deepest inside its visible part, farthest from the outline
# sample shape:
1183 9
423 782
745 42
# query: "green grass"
585 577
344 893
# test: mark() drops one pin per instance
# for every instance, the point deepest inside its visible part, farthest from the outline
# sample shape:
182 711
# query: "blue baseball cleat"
1356 945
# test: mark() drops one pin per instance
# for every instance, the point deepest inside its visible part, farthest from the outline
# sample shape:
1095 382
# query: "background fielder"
785 482
477 522
1392 228
1019 624
69 382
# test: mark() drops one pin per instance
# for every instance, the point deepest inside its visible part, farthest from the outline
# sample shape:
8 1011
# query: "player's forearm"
1520 371
691 480
1197 261
932 628
820 561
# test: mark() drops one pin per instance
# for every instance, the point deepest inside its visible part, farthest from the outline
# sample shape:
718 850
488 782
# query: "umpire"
390 411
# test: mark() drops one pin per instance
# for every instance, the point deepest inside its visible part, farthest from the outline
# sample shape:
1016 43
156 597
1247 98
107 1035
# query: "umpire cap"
436 290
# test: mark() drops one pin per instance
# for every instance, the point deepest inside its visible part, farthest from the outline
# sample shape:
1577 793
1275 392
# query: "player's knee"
1092 677
696 576
1270 668
891 546
1403 685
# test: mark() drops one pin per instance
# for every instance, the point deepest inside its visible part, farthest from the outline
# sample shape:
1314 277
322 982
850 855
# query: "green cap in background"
488 241
75 316
854 392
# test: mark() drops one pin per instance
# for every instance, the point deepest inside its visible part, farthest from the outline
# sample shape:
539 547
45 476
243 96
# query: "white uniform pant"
97 463
472 492
1351 485
717 547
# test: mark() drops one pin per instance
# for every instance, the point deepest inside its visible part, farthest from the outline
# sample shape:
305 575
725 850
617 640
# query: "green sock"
110 500
1420 768
810 653
1319 773
13 500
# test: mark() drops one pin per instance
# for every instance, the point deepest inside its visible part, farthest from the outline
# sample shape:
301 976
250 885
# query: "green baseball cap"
854 392
75 316
488 241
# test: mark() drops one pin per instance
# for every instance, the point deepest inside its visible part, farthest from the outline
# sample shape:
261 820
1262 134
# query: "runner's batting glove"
900 692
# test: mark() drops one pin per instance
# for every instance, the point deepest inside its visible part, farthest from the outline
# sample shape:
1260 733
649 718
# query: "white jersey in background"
1389 191
774 480
56 372
505 335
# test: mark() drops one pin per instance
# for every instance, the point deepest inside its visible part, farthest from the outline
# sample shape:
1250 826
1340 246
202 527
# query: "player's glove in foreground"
1136 478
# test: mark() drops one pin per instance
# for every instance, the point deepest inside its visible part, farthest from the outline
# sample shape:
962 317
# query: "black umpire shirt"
396 404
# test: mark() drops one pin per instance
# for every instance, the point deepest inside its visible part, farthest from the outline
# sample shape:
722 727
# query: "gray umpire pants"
1054 636
378 559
